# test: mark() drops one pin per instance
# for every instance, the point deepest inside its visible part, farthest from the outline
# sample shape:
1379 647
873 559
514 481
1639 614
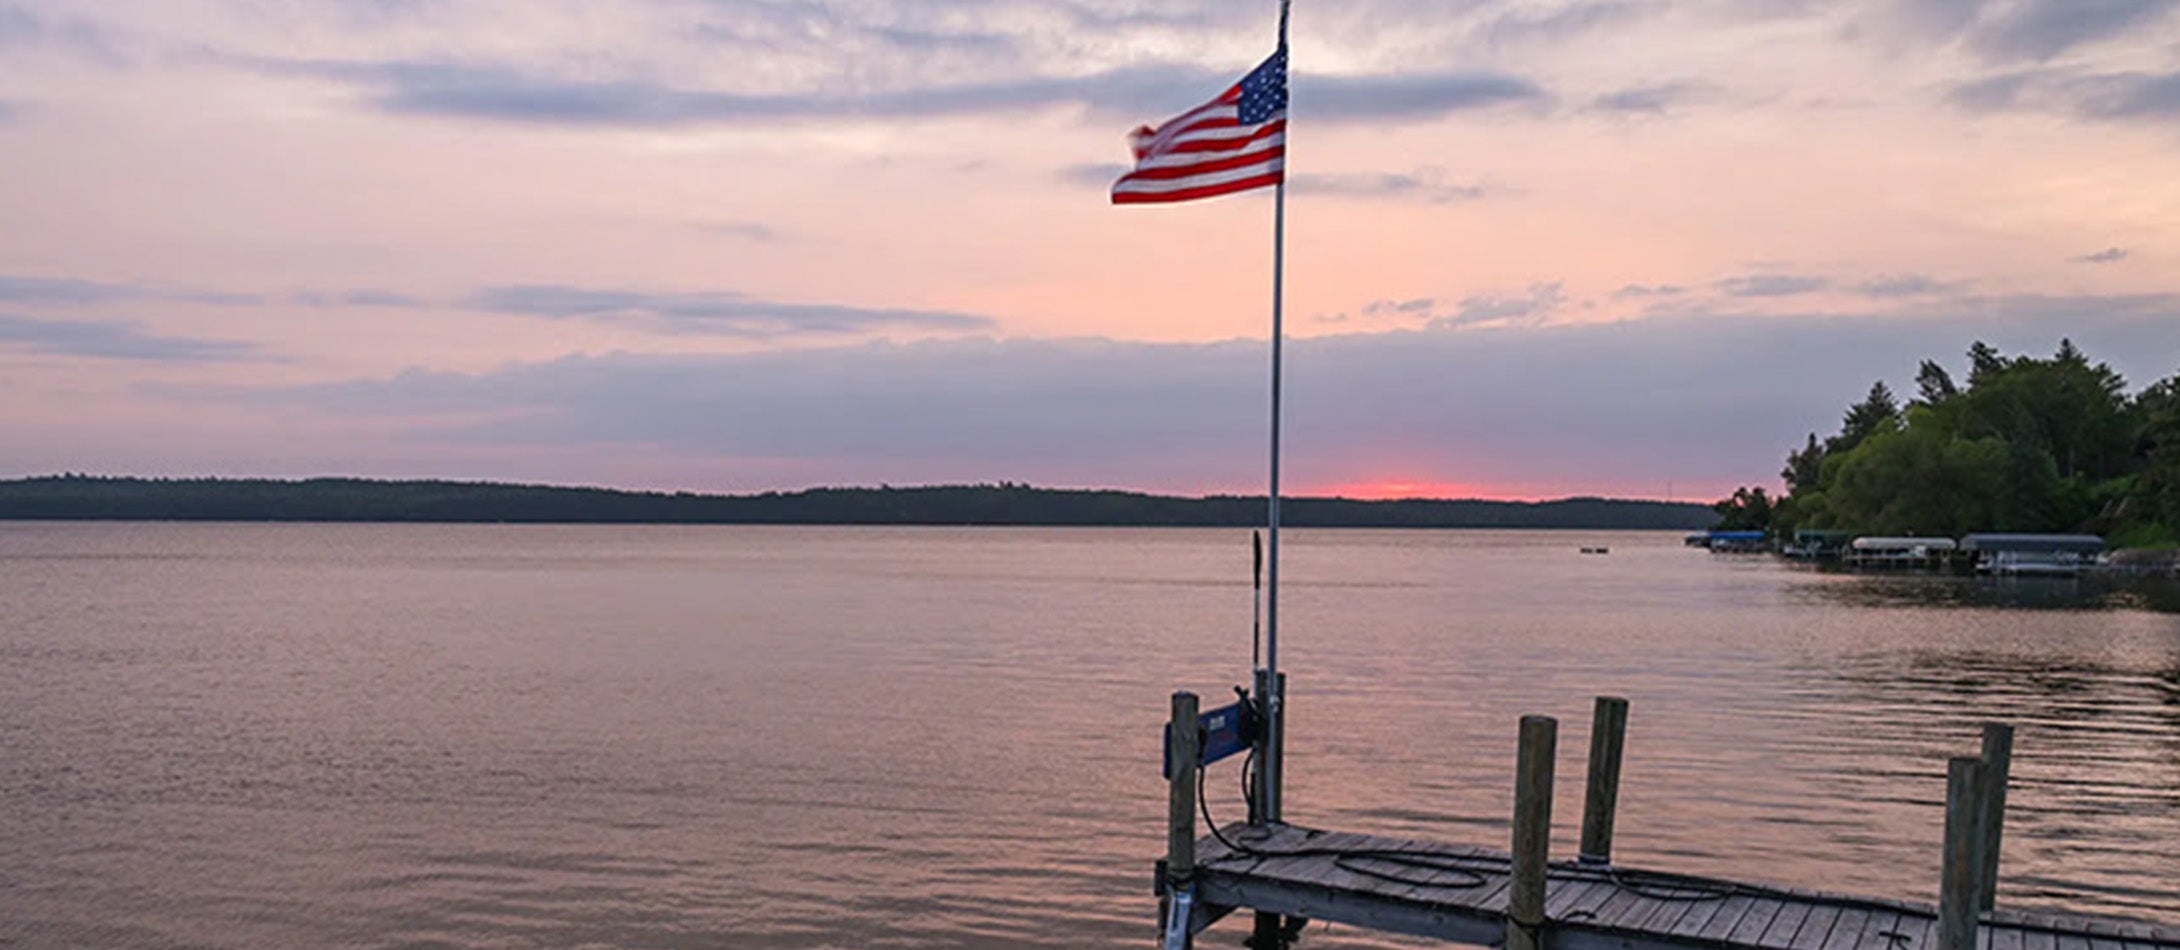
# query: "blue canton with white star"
1264 90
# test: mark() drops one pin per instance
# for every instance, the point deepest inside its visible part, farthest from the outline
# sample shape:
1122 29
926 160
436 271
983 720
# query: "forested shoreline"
2024 444
82 497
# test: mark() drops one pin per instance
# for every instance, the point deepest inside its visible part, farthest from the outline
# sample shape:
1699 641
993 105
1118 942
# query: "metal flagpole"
1272 705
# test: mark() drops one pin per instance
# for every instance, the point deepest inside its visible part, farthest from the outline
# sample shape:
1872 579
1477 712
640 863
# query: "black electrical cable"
1471 869
1203 804
1346 858
1470 877
1666 886
1248 778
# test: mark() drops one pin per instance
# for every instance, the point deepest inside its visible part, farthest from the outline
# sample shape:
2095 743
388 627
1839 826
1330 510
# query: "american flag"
1233 143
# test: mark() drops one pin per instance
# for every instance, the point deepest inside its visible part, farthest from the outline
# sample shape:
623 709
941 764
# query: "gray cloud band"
2115 97
114 339
1624 400
715 313
2002 31
510 95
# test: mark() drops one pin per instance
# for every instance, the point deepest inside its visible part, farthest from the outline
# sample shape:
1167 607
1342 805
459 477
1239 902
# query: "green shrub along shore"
2028 444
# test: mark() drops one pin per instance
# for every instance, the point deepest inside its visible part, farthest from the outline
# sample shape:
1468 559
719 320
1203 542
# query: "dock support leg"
1271 931
1259 777
1264 932
1963 866
1275 766
1997 768
1601 797
1183 752
1532 832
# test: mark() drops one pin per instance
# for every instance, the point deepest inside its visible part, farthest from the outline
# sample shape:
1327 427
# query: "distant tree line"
2028 444
78 497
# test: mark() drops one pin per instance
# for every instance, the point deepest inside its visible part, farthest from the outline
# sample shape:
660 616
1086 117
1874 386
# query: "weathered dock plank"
1878 930
1460 894
2039 938
1816 927
1847 930
1750 931
1729 915
1670 913
1592 902
1617 908
1571 899
1701 914
1783 927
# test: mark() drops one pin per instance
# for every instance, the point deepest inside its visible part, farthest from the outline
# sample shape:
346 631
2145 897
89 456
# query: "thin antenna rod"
1256 599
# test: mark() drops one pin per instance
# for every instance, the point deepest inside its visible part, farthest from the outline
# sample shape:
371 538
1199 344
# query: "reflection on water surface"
515 736
2160 593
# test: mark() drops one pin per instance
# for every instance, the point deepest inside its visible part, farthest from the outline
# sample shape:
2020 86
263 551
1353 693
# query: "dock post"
1259 784
1997 767
1963 857
1183 752
1264 926
1532 832
1275 805
1601 798
1269 930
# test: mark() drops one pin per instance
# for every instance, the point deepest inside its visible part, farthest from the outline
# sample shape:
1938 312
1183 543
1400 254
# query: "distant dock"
1519 899
1995 554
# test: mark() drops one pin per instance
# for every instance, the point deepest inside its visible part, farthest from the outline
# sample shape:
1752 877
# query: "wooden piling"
1601 797
1183 751
1532 832
1997 767
1957 891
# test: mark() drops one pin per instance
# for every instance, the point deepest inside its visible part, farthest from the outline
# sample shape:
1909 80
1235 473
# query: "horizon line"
881 486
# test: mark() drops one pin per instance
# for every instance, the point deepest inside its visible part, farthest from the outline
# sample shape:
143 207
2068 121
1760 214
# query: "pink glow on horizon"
1390 490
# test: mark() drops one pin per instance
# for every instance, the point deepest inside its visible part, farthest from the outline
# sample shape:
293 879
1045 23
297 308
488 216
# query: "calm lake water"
503 736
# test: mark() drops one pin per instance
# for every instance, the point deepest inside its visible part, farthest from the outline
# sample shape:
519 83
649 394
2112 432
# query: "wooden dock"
1460 894
1519 899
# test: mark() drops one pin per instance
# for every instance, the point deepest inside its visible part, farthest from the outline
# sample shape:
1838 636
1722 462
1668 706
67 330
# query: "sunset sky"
1621 247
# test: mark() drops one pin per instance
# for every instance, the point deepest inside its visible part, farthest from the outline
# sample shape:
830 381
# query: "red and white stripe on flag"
1233 143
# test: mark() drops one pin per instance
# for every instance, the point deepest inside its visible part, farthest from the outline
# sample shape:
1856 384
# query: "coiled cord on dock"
1348 859
1471 871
